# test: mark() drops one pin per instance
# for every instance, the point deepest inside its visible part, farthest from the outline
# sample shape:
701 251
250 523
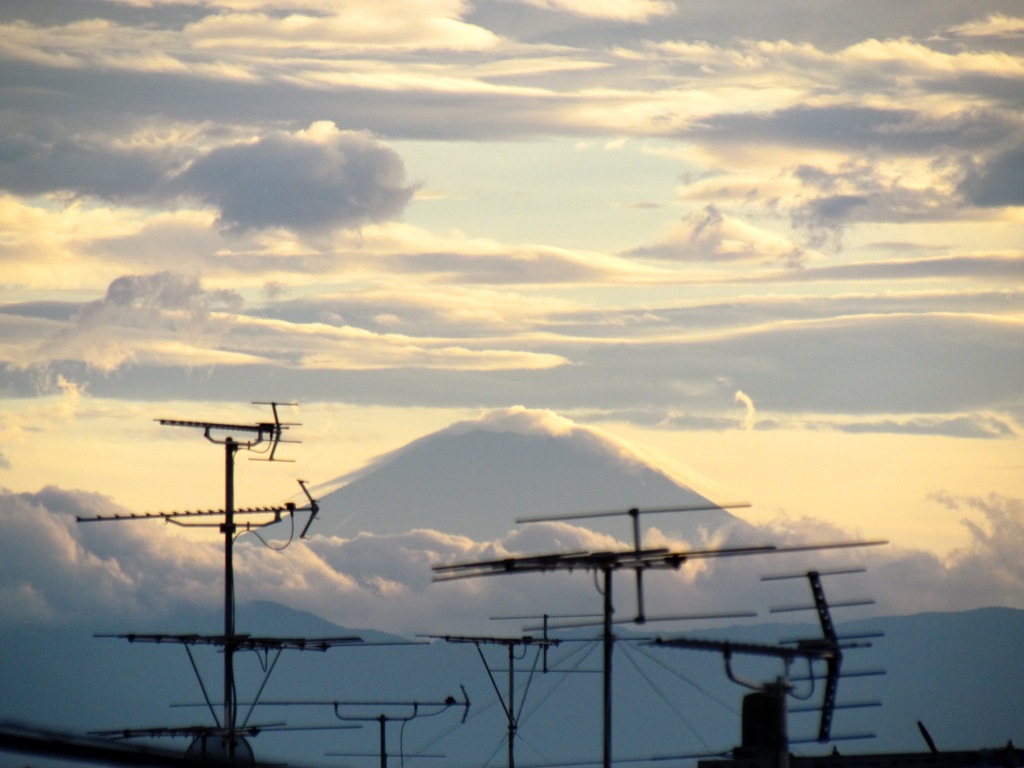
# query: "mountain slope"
476 479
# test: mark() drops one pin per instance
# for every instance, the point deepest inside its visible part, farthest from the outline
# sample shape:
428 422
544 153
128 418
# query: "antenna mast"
260 433
265 437
508 704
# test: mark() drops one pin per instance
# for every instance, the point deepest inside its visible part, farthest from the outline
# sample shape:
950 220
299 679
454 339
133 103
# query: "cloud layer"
72 571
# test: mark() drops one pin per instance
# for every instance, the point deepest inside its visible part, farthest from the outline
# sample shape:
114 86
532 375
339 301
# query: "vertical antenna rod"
228 529
609 639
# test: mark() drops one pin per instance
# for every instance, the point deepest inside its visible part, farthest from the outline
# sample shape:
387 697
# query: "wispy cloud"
750 420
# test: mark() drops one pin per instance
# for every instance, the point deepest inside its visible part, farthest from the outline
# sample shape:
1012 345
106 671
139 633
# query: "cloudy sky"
779 245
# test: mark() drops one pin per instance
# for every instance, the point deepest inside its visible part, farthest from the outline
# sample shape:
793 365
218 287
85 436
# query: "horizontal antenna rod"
524 640
289 507
243 642
649 619
804 575
632 512
845 604
264 427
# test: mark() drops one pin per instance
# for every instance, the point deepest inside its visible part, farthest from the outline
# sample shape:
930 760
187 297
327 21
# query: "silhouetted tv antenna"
413 709
544 626
606 563
634 514
764 728
263 437
508 703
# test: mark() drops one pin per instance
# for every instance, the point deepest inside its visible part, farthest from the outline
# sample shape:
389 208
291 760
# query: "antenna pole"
609 640
228 529
512 721
638 568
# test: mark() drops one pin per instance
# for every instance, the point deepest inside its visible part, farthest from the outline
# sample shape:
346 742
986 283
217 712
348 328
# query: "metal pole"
608 640
228 528
383 742
638 570
511 707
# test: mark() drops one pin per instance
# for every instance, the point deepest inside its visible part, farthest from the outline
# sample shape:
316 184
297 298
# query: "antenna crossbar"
505 641
242 642
633 512
278 511
650 619
659 557
258 427
188 731
843 604
806 574
728 648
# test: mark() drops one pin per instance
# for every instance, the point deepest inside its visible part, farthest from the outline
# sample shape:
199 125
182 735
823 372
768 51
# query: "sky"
778 246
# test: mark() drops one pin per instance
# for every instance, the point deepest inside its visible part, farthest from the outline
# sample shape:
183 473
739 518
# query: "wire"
526 689
202 686
584 652
401 730
813 680
728 707
268 545
693 731
401 743
445 734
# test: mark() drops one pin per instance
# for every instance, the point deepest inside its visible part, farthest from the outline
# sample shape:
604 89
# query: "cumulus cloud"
989 565
308 181
713 236
311 181
865 191
55 569
144 316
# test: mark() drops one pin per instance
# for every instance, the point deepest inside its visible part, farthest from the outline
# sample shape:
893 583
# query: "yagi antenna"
545 626
268 435
828 648
634 513
265 433
349 712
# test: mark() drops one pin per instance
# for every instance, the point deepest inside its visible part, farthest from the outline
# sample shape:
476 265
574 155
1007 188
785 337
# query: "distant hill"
476 480
959 673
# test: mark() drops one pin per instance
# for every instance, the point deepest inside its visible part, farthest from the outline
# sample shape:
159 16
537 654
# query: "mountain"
959 673
476 478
